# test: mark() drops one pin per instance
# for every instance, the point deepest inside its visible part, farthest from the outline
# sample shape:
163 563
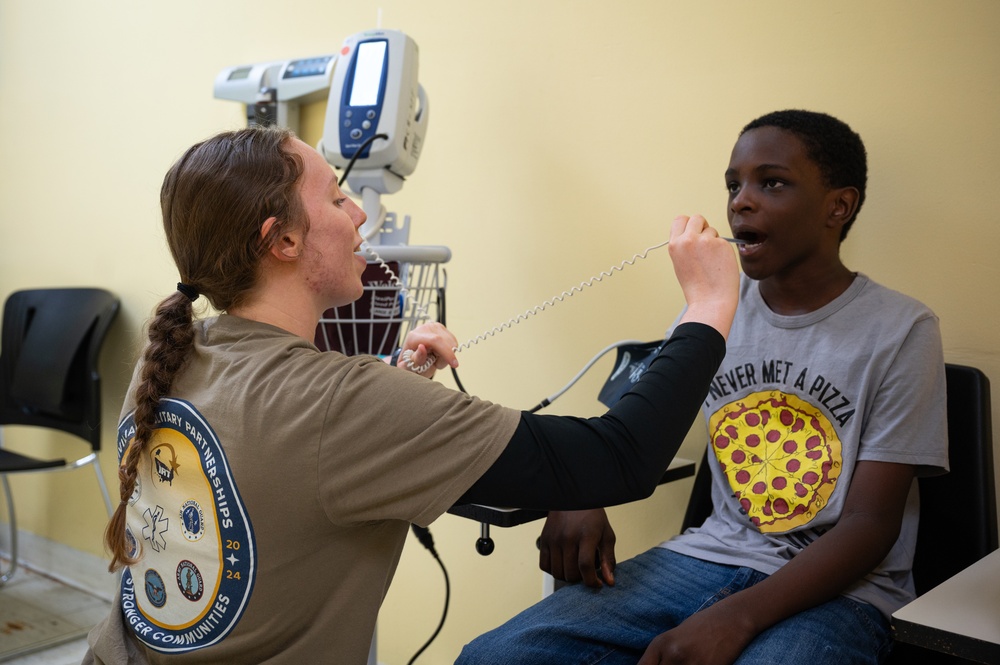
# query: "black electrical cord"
442 320
424 536
350 164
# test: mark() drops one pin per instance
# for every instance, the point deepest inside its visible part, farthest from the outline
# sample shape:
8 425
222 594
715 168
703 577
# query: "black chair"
51 339
958 515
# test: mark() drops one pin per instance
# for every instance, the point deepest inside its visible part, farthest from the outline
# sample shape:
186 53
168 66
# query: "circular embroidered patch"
189 522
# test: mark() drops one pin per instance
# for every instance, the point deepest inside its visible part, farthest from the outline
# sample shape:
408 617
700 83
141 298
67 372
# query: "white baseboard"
63 563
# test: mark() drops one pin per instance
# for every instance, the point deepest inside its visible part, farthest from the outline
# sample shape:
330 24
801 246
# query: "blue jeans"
654 592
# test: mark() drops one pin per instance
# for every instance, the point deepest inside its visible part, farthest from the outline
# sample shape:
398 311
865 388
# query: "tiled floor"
70 653
44 621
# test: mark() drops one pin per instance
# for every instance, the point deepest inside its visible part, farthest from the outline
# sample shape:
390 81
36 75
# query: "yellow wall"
563 137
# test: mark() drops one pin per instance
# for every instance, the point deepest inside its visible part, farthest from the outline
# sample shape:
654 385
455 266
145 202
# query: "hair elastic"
187 290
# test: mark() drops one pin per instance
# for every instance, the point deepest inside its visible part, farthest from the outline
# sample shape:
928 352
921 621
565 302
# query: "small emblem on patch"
164 463
133 546
156 591
192 520
189 580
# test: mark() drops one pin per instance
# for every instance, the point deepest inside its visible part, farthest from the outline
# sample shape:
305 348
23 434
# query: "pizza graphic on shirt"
781 456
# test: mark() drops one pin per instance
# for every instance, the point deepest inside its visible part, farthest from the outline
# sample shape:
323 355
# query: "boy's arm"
867 530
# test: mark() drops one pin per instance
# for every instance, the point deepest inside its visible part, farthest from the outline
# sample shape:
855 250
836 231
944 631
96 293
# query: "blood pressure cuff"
630 364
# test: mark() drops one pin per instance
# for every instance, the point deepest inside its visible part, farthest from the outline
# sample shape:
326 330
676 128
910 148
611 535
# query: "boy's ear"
844 203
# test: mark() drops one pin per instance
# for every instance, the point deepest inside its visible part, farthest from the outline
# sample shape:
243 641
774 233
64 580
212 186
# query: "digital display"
308 67
240 73
368 66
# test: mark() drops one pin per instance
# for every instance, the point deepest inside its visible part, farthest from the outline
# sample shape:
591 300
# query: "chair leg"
6 575
104 486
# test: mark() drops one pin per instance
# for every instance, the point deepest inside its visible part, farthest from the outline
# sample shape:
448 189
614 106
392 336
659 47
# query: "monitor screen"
368 66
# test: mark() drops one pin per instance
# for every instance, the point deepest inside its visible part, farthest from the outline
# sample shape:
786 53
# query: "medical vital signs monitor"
376 111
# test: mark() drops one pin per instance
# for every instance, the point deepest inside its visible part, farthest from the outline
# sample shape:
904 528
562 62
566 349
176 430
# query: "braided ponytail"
171 336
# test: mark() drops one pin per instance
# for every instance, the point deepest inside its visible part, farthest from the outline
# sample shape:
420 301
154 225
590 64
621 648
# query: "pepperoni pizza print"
781 456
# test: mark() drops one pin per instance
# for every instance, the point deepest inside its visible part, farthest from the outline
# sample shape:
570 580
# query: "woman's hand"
430 339
708 273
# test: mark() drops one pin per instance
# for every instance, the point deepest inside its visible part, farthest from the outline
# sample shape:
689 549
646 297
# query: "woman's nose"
360 216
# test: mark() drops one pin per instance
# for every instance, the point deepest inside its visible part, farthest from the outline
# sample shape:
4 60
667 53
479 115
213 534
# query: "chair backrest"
700 502
958 516
49 348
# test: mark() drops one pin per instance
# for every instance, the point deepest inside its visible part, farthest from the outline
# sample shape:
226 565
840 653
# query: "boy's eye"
732 187
772 183
339 202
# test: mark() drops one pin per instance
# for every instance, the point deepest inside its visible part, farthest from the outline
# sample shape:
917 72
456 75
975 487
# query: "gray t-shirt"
798 401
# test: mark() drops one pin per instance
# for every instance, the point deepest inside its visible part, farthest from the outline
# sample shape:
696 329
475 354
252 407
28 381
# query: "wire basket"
391 305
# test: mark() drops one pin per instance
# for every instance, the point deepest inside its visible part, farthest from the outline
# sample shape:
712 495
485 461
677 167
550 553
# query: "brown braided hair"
215 200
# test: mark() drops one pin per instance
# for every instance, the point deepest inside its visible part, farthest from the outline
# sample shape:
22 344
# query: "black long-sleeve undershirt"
568 463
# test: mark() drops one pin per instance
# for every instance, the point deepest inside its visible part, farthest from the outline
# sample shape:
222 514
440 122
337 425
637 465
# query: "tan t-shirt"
275 498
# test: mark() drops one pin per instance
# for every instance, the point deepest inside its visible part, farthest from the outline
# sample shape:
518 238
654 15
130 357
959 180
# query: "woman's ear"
285 247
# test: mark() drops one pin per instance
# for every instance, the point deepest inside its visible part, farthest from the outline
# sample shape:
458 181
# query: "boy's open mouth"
751 240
